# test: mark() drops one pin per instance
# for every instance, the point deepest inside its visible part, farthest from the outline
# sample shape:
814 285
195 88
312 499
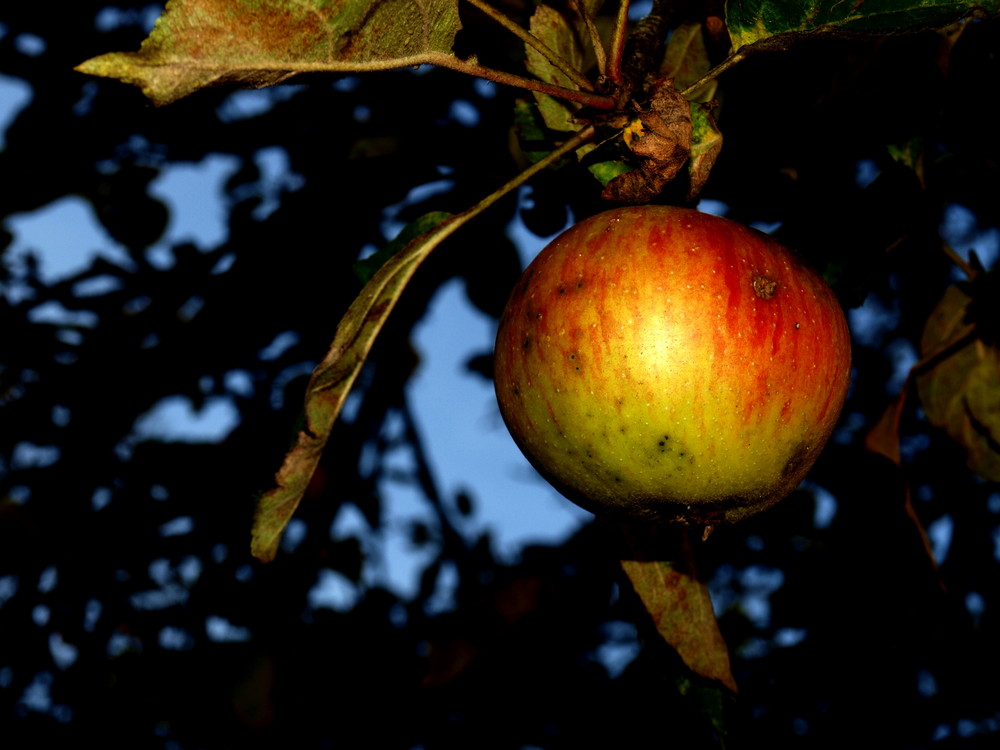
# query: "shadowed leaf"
333 377
961 392
754 21
687 60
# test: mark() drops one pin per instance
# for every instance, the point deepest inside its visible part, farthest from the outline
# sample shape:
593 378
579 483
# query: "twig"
614 71
600 101
734 59
595 36
959 261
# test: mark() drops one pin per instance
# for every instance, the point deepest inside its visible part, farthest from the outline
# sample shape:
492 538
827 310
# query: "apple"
661 363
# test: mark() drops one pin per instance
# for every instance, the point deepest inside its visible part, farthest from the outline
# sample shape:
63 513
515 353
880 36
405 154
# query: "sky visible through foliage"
429 569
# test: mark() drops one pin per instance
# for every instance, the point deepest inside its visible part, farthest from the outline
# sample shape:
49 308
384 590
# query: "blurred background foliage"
130 608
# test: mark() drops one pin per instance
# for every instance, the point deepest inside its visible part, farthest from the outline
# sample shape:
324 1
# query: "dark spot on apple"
764 287
562 290
793 464
579 284
526 344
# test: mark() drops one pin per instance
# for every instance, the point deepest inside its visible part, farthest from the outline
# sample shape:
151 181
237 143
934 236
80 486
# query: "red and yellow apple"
662 363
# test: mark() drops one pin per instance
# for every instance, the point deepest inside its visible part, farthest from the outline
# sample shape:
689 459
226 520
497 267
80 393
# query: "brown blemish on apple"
793 464
764 287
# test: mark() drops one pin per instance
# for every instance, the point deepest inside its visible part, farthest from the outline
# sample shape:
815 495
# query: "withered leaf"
664 143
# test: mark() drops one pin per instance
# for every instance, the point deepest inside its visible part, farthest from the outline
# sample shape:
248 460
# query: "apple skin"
665 364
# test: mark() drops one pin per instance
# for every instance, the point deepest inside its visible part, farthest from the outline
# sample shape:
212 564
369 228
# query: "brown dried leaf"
663 142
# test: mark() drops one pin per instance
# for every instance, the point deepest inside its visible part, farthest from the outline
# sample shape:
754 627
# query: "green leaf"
199 43
961 391
754 21
706 143
556 32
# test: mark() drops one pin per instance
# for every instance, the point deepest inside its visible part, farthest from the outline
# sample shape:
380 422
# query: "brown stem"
600 101
734 59
595 36
614 71
959 261
645 44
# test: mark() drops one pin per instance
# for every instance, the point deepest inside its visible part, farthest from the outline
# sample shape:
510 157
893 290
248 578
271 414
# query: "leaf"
686 60
910 154
366 268
333 377
961 391
605 170
678 602
706 143
256 43
661 136
556 32
883 438
756 21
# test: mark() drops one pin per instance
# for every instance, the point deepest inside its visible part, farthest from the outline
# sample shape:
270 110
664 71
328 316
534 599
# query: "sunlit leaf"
753 21
680 606
682 611
960 392
706 144
199 43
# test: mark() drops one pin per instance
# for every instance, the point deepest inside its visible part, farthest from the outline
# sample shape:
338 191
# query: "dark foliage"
118 552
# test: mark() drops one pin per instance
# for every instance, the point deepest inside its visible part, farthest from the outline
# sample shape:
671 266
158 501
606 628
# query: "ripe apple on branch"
665 364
